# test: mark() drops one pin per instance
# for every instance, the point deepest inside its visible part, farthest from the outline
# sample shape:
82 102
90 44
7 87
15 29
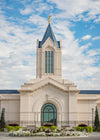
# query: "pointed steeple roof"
49 33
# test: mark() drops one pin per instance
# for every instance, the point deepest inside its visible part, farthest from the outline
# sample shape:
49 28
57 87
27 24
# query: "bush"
96 130
14 128
53 128
10 128
1 129
45 127
42 128
88 129
71 129
2 121
78 128
17 128
96 123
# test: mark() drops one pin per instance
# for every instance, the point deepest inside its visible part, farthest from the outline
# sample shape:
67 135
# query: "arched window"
49 61
48 114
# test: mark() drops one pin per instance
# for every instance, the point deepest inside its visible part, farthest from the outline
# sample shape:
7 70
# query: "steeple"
49 33
49 55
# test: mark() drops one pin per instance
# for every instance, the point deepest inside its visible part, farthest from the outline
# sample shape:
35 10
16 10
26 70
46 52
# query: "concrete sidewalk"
94 134
91 136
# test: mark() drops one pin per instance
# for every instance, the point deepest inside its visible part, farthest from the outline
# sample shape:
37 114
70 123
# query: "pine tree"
96 123
2 124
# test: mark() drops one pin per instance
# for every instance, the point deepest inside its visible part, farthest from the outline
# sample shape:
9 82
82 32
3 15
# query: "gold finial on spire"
49 18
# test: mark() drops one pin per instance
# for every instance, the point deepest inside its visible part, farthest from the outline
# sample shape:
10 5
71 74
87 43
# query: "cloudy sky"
75 22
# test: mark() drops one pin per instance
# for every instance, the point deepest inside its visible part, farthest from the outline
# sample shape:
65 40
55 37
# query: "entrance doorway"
48 114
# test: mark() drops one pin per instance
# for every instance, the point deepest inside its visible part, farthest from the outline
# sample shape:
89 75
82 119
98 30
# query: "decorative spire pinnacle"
49 18
49 33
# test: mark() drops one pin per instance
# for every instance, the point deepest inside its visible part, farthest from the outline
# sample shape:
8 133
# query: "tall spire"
49 55
49 33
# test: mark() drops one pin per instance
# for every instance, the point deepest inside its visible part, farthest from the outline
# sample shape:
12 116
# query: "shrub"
14 128
42 128
1 129
10 128
71 129
49 127
17 128
88 129
53 128
2 122
78 128
96 123
96 130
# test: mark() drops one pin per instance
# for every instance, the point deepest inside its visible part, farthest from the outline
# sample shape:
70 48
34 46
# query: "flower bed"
61 133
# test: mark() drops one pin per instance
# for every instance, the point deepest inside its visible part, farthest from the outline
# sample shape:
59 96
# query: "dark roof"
89 92
81 92
9 92
49 33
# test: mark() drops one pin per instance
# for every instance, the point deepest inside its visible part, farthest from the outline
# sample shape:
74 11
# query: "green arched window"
48 114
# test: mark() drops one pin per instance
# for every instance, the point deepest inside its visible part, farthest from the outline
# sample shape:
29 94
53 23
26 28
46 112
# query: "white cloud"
90 83
14 50
93 52
86 37
97 37
76 65
26 11
78 9
18 47
97 19
38 20
36 7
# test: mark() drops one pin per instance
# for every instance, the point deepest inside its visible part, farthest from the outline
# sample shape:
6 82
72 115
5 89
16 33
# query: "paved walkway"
92 136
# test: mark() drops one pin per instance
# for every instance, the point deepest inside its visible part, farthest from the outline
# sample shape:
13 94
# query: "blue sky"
75 22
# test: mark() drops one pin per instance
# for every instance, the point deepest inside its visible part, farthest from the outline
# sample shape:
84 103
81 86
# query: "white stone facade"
71 106
34 94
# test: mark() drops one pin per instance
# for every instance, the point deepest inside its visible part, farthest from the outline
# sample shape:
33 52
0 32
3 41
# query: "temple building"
49 98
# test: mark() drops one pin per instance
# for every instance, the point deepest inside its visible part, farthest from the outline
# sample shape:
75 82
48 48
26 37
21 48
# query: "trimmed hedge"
50 127
14 128
88 129
1 129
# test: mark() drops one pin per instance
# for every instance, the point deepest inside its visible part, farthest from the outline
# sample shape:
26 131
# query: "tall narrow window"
49 61
45 61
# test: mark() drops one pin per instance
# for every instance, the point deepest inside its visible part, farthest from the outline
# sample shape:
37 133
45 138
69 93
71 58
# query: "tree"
96 123
2 122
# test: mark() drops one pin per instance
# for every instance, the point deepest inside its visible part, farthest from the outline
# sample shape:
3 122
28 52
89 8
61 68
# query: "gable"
48 44
29 87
